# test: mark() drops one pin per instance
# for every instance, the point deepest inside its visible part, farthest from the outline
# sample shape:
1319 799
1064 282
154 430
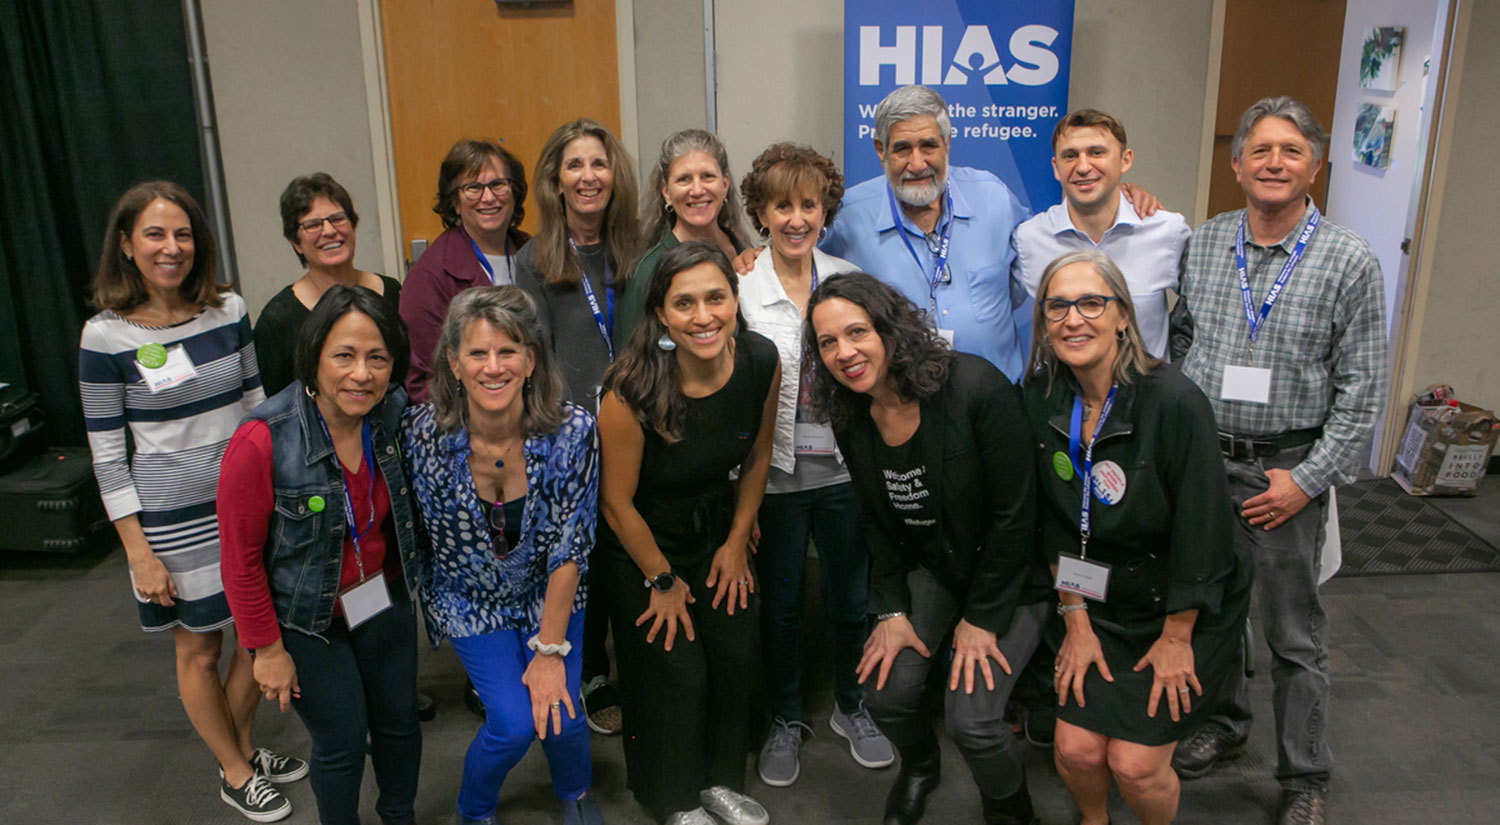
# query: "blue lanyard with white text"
355 533
1258 321
485 262
605 319
945 236
1075 430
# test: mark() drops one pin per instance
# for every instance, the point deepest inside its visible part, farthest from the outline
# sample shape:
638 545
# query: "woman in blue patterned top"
506 477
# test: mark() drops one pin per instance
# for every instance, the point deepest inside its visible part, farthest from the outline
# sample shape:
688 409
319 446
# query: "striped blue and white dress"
169 476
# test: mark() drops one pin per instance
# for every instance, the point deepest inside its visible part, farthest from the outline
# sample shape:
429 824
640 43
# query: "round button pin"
316 504
152 356
1062 465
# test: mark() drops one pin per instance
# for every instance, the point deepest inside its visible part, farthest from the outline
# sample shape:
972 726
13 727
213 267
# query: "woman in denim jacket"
506 476
320 558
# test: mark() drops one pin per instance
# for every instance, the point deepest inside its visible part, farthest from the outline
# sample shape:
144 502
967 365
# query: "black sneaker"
257 800
1301 808
1200 752
277 768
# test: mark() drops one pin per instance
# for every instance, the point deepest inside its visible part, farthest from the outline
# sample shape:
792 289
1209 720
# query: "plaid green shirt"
1324 340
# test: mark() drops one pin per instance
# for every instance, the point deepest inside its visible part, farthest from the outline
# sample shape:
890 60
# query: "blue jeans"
495 663
1296 628
830 517
361 683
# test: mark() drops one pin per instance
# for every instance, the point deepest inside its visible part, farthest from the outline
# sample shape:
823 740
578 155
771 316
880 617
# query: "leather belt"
1265 446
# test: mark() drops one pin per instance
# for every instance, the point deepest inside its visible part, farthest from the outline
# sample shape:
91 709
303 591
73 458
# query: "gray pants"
1296 628
976 722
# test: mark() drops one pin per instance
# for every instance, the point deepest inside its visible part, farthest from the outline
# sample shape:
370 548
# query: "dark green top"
276 333
630 303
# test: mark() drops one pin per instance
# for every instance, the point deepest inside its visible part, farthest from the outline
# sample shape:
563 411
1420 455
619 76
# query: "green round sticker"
315 504
152 355
1062 465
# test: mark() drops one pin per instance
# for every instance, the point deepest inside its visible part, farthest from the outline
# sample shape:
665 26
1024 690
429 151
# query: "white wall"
1373 202
289 87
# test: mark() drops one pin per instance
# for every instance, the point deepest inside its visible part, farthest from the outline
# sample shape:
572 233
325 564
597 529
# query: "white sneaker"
732 808
696 816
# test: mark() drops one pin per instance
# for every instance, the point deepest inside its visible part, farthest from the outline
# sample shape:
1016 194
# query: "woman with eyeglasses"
1137 523
506 476
318 220
690 197
481 193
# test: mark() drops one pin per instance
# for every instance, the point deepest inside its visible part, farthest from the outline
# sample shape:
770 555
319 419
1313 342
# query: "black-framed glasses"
474 190
337 220
1089 306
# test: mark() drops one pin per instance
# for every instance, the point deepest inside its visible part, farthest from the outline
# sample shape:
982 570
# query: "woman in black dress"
691 399
936 446
1159 639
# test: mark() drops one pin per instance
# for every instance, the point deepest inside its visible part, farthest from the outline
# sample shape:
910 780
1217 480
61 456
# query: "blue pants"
495 662
830 517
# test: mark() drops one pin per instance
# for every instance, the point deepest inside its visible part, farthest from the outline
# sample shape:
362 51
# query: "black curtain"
95 95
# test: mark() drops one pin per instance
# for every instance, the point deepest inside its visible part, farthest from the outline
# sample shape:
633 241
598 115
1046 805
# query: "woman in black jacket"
936 444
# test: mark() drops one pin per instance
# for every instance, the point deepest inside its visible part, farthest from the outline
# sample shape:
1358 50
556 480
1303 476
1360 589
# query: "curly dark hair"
917 358
783 170
297 199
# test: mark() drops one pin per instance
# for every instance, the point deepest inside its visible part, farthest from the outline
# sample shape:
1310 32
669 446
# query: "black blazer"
983 548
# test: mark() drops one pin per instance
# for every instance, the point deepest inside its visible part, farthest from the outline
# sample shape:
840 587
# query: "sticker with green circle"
1062 465
316 504
152 356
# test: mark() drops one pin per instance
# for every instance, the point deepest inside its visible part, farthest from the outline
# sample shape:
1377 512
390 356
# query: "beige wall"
289 87
1457 338
669 74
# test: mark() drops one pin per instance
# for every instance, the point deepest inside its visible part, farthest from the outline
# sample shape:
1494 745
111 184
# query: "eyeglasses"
337 220
474 190
1089 306
497 524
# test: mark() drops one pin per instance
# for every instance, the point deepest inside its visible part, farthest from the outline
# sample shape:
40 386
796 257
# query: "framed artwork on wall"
1380 60
1373 127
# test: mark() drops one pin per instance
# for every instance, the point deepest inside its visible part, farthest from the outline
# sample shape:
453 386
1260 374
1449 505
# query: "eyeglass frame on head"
1048 304
502 187
336 220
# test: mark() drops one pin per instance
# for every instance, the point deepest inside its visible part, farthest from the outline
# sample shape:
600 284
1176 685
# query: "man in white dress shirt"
1089 156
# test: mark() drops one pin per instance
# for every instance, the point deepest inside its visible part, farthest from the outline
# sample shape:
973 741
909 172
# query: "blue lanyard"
485 262
813 287
605 319
369 454
945 236
1075 428
1258 321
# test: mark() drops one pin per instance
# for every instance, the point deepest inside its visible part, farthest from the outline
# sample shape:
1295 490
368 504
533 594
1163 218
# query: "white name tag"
1249 384
178 368
1086 578
365 600
947 335
813 439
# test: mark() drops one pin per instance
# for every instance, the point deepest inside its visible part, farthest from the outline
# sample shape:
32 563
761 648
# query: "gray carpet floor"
91 730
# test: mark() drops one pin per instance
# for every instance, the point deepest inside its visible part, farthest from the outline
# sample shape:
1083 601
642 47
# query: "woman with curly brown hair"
791 194
937 446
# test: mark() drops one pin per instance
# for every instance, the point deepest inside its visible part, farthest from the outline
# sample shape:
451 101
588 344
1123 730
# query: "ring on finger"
1183 690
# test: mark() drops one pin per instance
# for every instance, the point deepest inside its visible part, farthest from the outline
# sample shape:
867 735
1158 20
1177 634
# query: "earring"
311 393
668 206
764 232
1119 335
666 343
823 233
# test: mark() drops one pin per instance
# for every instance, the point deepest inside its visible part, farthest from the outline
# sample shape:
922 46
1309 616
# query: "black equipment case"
21 421
51 503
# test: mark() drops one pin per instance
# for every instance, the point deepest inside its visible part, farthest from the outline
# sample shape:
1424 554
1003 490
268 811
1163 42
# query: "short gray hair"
906 103
509 309
1289 109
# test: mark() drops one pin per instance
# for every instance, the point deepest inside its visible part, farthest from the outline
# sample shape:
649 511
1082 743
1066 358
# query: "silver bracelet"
1065 609
536 643
880 617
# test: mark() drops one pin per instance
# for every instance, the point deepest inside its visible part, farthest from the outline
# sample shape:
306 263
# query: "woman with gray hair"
1137 525
506 477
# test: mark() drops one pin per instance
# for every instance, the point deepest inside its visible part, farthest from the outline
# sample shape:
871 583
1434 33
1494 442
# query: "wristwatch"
663 582
1065 609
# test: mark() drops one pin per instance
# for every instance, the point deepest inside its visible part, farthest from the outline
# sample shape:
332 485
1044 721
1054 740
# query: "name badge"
1088 579
947 335
365 600
176 368
813 439
1249 384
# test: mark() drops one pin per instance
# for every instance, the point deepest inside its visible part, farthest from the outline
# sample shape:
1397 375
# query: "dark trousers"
361 685
686 711
1296 628
830 517
595 633
975 721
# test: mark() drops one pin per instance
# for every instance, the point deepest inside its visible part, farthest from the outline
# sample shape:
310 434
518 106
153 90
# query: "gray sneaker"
779 762
867 744
732 808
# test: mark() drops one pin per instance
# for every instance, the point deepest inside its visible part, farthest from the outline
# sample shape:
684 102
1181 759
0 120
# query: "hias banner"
1002 68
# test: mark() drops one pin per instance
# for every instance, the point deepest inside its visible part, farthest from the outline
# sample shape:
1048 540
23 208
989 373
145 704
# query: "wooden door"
1274 47
479 69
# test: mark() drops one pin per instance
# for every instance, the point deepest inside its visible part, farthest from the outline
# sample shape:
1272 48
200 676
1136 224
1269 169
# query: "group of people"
634 424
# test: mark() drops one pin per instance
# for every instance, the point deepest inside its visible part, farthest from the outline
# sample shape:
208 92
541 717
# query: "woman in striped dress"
170 357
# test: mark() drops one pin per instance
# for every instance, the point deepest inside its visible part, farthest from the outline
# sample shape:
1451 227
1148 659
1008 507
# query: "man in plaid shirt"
1282 326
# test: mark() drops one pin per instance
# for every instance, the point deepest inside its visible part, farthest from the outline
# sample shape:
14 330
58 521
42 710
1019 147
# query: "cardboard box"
1447 445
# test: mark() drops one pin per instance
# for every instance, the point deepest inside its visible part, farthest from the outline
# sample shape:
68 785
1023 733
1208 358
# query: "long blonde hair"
1132 358
555 260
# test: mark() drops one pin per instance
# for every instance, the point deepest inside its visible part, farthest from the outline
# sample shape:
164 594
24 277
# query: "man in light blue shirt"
897 226
1089 156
